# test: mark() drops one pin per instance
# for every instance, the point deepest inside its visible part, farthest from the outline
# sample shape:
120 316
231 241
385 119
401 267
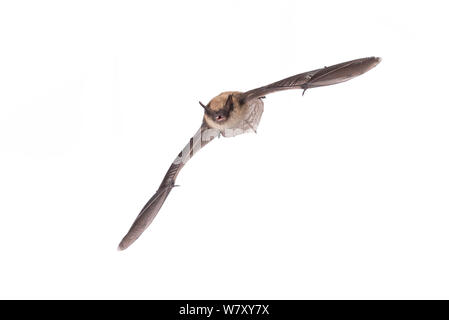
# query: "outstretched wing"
150 210
317 78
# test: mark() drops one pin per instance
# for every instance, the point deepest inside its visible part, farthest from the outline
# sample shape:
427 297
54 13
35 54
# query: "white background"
343 193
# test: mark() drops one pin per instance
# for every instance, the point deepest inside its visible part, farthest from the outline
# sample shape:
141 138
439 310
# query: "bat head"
219 108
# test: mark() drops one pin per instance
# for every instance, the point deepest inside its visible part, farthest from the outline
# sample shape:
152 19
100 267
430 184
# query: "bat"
232 113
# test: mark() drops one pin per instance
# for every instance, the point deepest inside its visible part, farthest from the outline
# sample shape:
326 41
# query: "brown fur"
243 117
219 101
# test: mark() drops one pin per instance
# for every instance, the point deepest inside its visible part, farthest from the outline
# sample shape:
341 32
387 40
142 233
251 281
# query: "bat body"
232 113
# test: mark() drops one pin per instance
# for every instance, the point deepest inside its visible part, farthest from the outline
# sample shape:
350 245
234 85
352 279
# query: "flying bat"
232 113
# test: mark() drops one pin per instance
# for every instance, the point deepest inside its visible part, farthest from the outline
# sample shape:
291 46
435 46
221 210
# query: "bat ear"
229 105
205 107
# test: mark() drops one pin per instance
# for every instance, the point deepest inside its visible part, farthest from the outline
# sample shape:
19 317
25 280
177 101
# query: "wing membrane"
316 78
152 207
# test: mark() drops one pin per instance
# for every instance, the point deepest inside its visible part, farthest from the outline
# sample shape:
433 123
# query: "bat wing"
317 78
152 207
